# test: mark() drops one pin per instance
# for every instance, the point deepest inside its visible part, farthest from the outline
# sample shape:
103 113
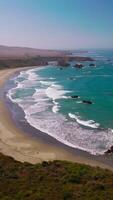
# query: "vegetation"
37 61
53 181
22 62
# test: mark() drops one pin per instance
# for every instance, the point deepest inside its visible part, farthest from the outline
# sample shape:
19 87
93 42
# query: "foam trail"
47 83
39 95
56 107
89 123
31 75
55 92
78 101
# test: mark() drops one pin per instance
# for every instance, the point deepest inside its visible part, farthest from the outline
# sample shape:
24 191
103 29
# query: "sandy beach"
14 143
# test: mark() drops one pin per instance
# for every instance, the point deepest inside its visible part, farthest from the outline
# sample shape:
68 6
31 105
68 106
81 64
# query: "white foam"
71 134
89 123
78 101
36 108
10 94
56 92
28 84
31 75
23 74
51 78
55 108
47 83
39 95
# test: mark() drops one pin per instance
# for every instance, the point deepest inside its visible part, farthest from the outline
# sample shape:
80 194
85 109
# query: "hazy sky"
61 24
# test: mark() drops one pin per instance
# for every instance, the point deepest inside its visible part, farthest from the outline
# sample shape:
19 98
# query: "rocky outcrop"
79 65
109 151
63 63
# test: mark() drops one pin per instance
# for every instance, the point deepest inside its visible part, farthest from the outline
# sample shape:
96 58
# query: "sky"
57 24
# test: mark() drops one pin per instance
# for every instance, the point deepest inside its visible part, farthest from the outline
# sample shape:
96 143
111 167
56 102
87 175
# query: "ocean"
45 95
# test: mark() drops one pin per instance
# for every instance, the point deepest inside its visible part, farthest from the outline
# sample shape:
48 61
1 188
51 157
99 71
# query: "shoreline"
25 148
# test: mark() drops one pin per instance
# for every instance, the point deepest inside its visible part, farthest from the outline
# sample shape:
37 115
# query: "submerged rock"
87 102
92 65
71 78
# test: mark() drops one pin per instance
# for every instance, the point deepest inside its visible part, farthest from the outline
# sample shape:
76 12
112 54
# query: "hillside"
53 181
20 52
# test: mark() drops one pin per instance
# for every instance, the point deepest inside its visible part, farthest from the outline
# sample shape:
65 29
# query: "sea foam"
88 123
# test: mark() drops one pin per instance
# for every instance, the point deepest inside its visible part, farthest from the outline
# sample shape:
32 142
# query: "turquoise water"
90 83
45 95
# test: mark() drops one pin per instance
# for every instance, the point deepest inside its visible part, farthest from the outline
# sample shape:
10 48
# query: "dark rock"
75 97
87 102
109 150
79 65
92 65
71 78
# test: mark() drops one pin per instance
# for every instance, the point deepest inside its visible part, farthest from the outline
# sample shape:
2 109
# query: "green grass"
58 180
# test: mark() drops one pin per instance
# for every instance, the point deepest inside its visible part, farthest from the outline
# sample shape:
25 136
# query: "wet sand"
21 146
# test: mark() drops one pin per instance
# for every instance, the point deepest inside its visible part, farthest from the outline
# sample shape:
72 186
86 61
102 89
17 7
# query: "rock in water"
79 65
92 65
109 150
87 102
75 97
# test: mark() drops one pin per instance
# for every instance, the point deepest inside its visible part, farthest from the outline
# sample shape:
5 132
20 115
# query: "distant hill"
12 57
20 52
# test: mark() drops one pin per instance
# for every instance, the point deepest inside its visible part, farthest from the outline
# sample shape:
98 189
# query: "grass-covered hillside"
7 63
53 181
